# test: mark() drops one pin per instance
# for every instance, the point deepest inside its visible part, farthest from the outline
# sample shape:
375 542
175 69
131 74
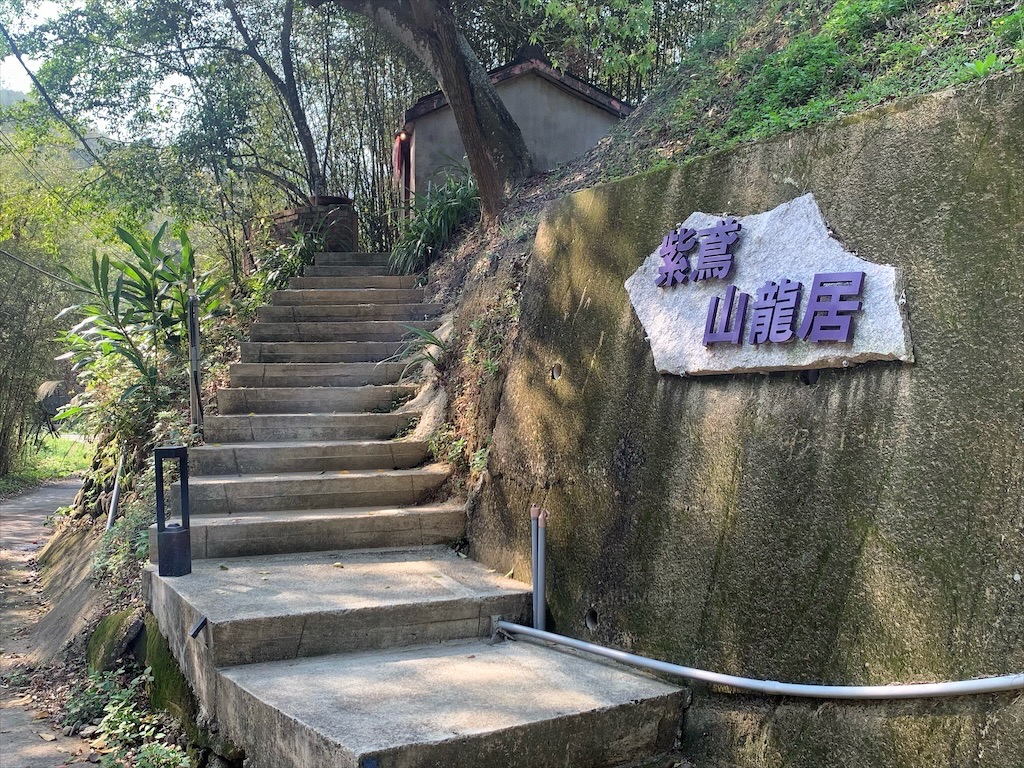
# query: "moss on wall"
170 691
111 639
865 529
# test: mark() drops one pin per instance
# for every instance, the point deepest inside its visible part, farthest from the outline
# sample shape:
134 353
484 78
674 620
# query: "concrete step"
287 531
270 427
364 281
309 604
464 704
335 312
320 351
232 494
313 374
383 397
321 455
344 259
348 270
346 290
361 330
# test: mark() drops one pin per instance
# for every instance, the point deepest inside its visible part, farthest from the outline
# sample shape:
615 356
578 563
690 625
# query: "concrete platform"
289 531
381 397
320 351
357 330
232 494
307 313
348 290
276 427
290 606
313 374
457 705
321 455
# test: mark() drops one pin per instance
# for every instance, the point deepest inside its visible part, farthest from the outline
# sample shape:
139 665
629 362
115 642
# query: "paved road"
23 736
21 517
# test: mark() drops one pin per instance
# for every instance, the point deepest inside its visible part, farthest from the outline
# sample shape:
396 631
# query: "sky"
12 76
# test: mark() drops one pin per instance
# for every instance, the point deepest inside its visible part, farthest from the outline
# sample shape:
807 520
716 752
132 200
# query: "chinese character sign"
767 292
834 295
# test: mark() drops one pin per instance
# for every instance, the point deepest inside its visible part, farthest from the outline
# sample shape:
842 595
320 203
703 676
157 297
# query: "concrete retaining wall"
865 529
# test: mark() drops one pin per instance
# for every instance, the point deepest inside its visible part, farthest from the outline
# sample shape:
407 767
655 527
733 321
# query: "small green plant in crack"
448 446
394 405
408 429
478 462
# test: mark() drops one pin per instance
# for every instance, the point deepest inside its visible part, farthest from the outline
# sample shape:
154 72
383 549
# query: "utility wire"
40 270
6 141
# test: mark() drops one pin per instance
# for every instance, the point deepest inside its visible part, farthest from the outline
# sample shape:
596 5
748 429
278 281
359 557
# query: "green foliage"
448 446
488 335
853 20
421 347
478 461
140 308
811 67
135 314
619 31
126 544
276 264
436 217
1010 28
779 66
89 698
983 67
135 736
159 755
52 459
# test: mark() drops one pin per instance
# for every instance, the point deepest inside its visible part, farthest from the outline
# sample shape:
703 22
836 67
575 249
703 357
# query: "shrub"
436 217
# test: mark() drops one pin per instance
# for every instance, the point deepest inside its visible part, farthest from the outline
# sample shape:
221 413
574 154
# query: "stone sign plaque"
769 292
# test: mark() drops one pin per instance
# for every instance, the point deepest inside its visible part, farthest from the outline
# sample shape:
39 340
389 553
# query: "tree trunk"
494 144
286 88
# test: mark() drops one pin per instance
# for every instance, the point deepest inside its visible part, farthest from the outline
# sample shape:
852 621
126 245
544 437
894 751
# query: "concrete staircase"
325 622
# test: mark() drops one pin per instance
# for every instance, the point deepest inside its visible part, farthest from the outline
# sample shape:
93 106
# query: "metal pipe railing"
538 520
115 496
1012 682
534 560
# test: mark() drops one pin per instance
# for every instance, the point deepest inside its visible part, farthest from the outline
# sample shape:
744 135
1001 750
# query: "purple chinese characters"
675 266
828 311
713 257
828 316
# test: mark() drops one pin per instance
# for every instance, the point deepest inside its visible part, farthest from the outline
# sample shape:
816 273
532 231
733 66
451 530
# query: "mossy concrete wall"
865 529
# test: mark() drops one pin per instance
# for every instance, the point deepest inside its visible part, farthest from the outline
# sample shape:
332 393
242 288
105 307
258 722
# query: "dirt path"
26 737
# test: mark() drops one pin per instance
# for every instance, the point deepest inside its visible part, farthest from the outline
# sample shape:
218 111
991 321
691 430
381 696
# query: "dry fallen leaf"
47 737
